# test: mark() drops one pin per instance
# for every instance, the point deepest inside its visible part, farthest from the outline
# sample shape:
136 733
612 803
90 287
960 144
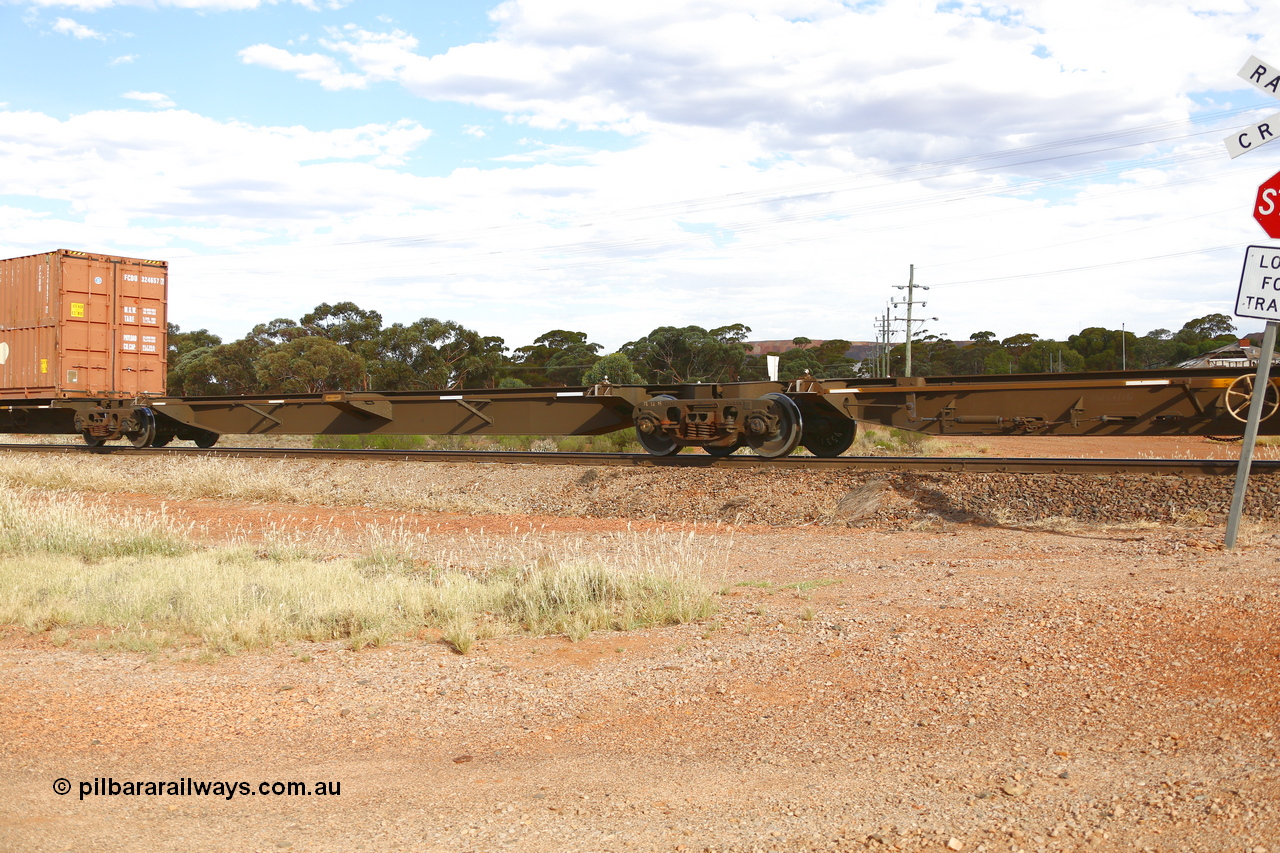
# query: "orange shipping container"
75 324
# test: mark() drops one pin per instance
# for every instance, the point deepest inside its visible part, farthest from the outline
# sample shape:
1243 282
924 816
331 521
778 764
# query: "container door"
29 364
141 353
88 290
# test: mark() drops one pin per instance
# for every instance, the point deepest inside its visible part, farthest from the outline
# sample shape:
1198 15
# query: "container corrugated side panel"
142 351
85 320
81 324
29 359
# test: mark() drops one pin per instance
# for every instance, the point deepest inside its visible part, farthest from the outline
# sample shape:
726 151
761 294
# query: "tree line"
344 347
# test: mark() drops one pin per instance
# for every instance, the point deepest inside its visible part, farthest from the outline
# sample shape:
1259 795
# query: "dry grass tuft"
1254 532
248 480
863 501
888 441
142 585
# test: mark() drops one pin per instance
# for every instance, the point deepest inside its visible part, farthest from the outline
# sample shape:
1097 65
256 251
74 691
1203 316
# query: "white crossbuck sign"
1266 78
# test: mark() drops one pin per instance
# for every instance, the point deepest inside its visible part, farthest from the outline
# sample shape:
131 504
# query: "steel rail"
886 464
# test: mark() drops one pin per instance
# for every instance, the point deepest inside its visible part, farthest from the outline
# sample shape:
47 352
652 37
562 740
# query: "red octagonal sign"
1266 208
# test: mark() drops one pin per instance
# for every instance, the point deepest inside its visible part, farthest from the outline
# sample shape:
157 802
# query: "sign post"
1259 298
1259 293
1260 381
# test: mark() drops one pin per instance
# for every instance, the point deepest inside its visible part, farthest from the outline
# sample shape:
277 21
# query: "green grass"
888 441
756 584
140 584
798 586
369 442
816 583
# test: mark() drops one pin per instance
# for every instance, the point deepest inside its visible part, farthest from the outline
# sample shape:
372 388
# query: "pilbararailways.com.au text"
188 787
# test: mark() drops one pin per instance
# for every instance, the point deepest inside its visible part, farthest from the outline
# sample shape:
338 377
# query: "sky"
531 165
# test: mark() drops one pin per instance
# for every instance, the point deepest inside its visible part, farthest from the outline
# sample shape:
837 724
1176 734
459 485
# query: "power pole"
910 287
882 343
879 345
888 340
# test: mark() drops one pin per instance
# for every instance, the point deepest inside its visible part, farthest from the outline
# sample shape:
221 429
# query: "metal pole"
887 354
885 346
1260 383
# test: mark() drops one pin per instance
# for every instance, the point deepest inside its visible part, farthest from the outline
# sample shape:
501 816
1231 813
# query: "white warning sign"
1259 295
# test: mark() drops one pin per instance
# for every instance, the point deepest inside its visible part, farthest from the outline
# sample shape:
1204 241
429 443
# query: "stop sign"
1266 208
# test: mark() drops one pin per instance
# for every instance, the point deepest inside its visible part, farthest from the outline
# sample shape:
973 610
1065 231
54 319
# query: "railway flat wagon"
82 325
83 351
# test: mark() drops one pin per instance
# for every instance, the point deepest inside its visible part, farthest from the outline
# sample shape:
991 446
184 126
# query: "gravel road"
886 677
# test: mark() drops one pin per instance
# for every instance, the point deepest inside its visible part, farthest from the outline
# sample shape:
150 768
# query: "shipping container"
77 324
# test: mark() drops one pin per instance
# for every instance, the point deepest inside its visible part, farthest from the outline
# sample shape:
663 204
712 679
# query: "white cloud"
176 164
595 240
68 27
379 56
772 172
126 59
308 66
899 81
154 99
200 5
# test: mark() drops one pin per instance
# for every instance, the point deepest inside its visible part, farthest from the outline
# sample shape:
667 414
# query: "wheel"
657 443
143 436
161 440
207 439
829 437
1240 392
721 450
786 437
93 440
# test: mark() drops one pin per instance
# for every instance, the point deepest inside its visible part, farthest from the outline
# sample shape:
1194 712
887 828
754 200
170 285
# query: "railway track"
887 464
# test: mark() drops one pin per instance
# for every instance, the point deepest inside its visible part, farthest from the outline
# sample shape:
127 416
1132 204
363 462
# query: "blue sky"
539 164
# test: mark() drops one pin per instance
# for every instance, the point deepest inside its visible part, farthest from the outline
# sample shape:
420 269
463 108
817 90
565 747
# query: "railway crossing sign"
1266 78
1266 207
1259 294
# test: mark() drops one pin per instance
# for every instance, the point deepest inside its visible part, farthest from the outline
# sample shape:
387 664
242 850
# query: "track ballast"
887 464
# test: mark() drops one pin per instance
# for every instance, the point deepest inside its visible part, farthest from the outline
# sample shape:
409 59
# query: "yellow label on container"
77 309
44 365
